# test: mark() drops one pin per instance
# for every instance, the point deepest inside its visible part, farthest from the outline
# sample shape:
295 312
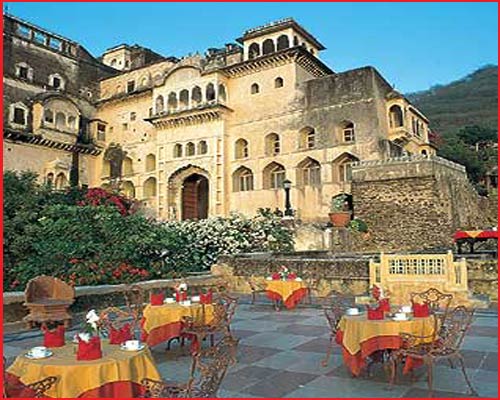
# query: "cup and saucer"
400 316
39 352
132 345
169 300
185 303
195 299
352 311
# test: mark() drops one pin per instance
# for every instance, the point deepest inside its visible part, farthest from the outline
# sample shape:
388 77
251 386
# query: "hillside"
472 100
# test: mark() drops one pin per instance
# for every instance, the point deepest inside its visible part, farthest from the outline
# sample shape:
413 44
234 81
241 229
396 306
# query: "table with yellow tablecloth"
290 292
360 337
117 374
162 323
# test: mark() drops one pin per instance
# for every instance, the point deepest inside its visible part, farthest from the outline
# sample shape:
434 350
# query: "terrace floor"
280 355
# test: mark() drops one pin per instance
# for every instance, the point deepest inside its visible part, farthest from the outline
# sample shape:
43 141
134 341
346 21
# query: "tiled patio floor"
280 354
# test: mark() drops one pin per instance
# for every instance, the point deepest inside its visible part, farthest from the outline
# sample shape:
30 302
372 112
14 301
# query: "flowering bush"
100 197
340 203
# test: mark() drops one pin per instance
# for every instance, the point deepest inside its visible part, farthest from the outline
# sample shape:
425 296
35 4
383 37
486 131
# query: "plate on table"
298 279
142 346
29 355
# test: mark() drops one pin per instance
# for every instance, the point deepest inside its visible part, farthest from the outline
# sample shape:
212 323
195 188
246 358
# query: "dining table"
118 374
361 337
164 322
289 292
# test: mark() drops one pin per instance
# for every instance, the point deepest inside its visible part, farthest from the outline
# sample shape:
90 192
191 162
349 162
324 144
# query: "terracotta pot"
340 218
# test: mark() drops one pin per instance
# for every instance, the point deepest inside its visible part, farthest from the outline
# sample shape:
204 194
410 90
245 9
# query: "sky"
414 45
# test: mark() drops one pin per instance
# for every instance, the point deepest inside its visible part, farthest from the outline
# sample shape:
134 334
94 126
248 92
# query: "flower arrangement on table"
181 292
89 342
284 274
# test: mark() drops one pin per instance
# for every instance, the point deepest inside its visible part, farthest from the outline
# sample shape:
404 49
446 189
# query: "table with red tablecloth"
472 237
118 374
290 291
360 338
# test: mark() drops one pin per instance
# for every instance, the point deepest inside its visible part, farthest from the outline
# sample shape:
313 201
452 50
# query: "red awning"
486 234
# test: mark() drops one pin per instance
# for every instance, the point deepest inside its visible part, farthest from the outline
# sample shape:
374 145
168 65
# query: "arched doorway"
195 197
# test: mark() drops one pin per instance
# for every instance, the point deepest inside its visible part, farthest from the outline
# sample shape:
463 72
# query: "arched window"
24 71
395 116
178 150
48 116
172 101
283 42
423 152
295 41
253 51
210 92
241 149
307 138
222 93
184 98
61 181
113 62
150 162
127 166
348 135
309 172
128 189
56 82
274 175
242 180
72 122
19 114
149 187
60 120
159 104
342 169
273 145
202 147
254 89
196 96
278 82
49 180
268 46
190 149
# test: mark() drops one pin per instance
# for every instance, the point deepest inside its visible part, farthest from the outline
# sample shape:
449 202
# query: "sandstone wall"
414 203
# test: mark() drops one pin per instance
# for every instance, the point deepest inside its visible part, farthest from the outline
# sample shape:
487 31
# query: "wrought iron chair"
208 369
256 287
114 317
438 302
446 346
333 315
224 308
312 283
38 388
135 297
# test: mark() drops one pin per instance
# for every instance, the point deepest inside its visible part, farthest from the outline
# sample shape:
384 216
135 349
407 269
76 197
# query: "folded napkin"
292 275
118 336
276 276
90 350
374 314
420 310
206 298
180 296
157 299
53 338
384 305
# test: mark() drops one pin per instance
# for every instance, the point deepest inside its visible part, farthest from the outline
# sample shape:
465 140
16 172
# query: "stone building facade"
203 135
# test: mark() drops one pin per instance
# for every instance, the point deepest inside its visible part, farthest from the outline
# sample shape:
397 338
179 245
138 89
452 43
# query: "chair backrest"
45 287
135 297
435 299
116 318
210 366
333 315
455 325
254 284
38 388
229 305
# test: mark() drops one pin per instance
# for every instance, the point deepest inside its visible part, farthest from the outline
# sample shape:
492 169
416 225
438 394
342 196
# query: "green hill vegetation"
465 115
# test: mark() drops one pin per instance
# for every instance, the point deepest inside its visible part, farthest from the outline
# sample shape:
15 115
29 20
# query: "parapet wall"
414 203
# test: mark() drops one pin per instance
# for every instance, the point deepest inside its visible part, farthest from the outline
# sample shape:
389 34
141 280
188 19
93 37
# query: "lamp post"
288 206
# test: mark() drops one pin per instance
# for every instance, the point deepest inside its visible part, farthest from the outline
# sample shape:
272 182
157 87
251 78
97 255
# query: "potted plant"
358 225
340 214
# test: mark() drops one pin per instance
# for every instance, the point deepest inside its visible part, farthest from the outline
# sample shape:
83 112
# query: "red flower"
73 261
